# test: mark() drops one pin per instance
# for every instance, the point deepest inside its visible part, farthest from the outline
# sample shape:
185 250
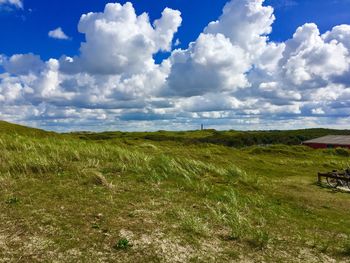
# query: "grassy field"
225 138
137 197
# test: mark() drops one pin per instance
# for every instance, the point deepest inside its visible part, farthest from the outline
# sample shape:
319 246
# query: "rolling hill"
10 128
131 197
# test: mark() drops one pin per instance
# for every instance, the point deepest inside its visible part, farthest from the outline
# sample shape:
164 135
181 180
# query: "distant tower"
202 127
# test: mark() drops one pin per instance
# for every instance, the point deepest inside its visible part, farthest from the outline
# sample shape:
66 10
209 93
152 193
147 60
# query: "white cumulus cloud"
231 75
121 42
58 34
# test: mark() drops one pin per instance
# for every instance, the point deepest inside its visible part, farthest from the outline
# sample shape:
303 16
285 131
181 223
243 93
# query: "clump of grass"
203 188
239 175
346 247
149 146
324 246
238 226
259 239
99 179
235 172
122 244
12 200
161 167
236 213
228 212
95 226
193 224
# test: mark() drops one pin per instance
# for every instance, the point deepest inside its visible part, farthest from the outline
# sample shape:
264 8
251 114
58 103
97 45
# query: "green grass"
226 138
126 198
123 243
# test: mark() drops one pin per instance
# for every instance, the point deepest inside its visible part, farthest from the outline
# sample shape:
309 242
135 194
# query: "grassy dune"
127 198
225 138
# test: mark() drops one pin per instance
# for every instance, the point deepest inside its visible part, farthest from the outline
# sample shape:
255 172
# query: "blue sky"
26 30
32 26
261 78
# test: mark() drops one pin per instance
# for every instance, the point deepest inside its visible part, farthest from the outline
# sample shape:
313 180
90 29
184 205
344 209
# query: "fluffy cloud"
120 42
341 34
225 52
211 64
116 62
15 3
309 58
58 34
231 75
22 64
246 23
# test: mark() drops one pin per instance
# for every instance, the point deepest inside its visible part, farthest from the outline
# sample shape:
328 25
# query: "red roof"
341 140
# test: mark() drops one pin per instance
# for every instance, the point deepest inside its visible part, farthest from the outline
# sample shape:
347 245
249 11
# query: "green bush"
342 152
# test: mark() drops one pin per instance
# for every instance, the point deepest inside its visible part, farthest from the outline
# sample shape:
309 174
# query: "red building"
330 141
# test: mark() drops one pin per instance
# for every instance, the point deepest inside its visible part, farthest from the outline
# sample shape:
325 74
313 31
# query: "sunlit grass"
83 200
